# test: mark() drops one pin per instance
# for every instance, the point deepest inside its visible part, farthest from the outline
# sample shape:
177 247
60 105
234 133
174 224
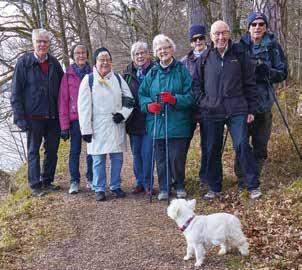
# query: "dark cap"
196 29
255 16
98 51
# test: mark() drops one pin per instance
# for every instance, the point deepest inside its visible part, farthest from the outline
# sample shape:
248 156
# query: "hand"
250 118
167 97
262 69
22 125
154 107
118 118
87 138
65 135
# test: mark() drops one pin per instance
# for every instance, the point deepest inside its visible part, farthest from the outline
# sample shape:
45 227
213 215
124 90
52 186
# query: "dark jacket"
136 123
269 52
33 93
177 80
225 87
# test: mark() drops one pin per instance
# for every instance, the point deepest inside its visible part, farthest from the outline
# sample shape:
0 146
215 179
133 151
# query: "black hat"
255 16
196 29
98 51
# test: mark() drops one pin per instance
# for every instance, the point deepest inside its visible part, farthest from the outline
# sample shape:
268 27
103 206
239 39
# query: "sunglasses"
260 24
194 39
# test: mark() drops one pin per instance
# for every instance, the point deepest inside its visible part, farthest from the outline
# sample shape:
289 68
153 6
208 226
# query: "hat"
196 29
254 16
98 51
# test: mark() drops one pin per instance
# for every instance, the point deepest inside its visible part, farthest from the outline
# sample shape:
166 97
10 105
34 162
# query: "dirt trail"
117 234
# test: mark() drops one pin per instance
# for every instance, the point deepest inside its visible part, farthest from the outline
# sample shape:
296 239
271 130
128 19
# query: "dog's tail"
238 238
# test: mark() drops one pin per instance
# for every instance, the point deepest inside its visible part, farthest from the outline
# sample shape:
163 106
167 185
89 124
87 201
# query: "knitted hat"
255 16
98 51
196 29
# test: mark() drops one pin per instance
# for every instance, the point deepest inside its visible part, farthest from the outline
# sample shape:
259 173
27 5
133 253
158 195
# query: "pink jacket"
68 98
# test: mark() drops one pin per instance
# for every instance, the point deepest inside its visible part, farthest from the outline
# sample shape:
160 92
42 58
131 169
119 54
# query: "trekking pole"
167 150
270 87
224 141
153 154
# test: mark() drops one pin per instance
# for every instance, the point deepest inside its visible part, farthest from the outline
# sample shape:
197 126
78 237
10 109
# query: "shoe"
211 195
51 187
255 194
100 196
74 188
148 191
162 196
181 194
38 192
137 190
118 193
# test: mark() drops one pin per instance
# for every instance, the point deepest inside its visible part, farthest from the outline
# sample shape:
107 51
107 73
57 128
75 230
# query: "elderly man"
226 82
271 67
35 87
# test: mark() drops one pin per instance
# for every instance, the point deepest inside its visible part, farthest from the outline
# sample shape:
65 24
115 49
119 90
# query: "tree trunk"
276 12
196 12
228 11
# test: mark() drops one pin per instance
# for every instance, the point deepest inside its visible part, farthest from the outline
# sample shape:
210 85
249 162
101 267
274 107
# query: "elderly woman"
68 114
140 141
169 80
104 104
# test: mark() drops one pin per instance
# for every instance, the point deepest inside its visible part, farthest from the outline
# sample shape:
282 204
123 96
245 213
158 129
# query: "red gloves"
167 97
154 107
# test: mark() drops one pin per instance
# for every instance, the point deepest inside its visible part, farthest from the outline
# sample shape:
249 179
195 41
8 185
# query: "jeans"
141 147
259 131
99 171
178 149
237 126
74 154
49 130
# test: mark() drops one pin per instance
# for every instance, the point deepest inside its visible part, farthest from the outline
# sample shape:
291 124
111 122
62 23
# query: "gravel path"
128 233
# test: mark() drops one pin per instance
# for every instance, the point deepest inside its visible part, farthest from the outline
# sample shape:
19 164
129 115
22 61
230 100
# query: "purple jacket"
68 98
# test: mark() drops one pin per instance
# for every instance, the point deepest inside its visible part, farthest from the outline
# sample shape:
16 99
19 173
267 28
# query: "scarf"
81 72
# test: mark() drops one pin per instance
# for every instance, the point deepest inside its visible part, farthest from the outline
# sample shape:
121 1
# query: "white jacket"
95 110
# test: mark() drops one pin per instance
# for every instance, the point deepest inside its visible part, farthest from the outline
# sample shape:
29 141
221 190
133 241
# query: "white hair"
139 45
40 32
218 23
160 39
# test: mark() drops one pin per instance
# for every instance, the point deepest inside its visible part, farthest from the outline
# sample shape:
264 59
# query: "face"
141 57
165 52
41 45
198 42
220 36
257 29
103 64
80 56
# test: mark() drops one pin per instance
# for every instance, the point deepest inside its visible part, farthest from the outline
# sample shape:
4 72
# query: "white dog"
219 229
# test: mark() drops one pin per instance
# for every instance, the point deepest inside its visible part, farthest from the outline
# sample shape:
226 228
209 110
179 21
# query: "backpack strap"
119 79
90 81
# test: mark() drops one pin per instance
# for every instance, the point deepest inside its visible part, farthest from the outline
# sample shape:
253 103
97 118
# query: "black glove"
65 135
262 69
118 118
23 125
87 138
128 102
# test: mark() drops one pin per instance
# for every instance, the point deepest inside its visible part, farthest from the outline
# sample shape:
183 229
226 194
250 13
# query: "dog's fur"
219 229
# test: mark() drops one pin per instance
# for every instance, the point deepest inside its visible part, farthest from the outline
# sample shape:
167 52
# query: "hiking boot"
100 196
162 196
51 187
74 188
137 190
38 192
118 193
181 194
255 194
211 195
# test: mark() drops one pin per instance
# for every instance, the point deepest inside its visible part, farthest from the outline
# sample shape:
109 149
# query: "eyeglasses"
104 60
194 39
223 33
254 24
140 54
163 48
40 41
80 53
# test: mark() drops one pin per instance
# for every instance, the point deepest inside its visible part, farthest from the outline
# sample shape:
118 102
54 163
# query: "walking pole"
224 141
270 87
152 155
167 149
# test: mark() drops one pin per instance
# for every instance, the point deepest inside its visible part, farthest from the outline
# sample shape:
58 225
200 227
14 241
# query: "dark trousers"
47 130
178 149
203 147
259 132
238 130
74 154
